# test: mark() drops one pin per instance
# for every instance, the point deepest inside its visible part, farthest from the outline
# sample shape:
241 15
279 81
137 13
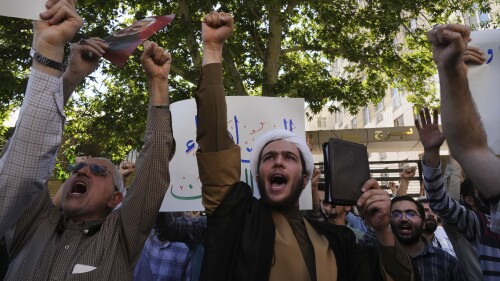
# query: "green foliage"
323 51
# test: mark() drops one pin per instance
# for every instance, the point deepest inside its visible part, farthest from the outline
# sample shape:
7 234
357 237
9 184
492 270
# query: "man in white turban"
278 148
268 239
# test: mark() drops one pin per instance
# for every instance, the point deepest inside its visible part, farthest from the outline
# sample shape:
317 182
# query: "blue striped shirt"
475 226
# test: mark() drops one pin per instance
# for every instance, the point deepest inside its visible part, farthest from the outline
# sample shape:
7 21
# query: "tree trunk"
190 33
234 73
273 49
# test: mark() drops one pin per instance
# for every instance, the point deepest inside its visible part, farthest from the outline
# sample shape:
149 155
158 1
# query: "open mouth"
278 182
405 228
78 187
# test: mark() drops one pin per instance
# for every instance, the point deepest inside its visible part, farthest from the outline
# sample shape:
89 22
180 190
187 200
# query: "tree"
280 48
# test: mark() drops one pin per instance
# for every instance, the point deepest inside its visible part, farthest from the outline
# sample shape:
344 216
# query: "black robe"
240 243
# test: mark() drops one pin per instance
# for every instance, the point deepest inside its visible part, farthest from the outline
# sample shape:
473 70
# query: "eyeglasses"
94 169
409 214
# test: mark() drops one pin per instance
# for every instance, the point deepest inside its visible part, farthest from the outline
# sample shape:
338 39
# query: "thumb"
226 19
454 37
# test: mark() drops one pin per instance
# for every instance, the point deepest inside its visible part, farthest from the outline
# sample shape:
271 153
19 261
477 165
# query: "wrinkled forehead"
102 162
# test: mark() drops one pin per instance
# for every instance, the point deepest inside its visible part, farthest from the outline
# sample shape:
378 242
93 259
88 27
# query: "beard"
287 203
407 240
481 204
430 225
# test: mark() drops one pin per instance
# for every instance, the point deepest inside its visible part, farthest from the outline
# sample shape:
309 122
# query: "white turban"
282 134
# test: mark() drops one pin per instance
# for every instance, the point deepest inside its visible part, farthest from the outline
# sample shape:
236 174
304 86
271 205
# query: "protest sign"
25 9
485 85
248 118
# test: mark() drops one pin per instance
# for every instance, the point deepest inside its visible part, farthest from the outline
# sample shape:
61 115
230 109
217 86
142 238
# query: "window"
484 18
476 18
382 156
380 111
399 122
321 122
366 116
354 123
396 99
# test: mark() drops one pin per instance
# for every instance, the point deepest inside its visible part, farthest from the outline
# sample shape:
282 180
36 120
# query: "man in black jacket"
268 239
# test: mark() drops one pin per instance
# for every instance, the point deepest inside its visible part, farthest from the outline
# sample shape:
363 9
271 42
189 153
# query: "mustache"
404 223
430 219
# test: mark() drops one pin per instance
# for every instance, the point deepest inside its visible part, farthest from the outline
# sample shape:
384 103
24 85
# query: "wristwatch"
46 61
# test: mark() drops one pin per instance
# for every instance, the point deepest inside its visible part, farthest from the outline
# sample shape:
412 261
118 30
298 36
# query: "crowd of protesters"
98 229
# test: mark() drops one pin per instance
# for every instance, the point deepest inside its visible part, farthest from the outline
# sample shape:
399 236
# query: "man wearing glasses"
431 263
84 239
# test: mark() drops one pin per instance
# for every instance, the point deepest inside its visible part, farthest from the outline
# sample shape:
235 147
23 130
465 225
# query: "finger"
169 57
428 119
64 13
158 55
165 58
377 201
226 19
435 118
98 45
216 19
85 46
370 184
432 36
148 50
417 124
470 58
55 14
454 37
208 19
50 3
462 30
98 39
422 118
474 55
474 50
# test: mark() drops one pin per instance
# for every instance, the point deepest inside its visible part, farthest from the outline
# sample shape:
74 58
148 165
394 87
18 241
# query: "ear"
305 181
115 200
347 209
469 200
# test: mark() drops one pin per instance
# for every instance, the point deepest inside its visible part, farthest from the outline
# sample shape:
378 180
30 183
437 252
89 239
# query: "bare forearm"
461 122
212 54
158 92
465 134
403 187
69 85
431 157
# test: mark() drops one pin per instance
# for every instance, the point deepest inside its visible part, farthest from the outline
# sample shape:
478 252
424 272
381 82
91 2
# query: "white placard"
26 9
484 84
248 118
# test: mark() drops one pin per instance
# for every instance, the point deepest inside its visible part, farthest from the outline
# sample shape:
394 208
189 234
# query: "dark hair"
467 188
302 161
423 200
420 208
